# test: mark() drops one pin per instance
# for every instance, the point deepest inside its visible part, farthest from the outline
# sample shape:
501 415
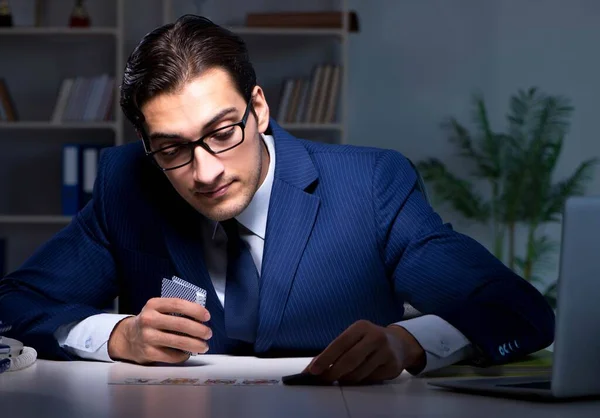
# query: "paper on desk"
184 381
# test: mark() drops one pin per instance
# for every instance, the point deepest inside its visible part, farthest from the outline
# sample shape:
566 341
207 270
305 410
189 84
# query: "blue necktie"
241 287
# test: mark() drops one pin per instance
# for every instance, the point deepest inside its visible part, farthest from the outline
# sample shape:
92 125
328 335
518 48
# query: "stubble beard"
231 210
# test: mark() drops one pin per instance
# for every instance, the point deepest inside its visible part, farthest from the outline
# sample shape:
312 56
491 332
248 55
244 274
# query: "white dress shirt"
88 339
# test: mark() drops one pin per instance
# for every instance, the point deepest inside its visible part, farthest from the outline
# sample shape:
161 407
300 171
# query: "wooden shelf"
35 219
32 31
312 126
24 125
245 30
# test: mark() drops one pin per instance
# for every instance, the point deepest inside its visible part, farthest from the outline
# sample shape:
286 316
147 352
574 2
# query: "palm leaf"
543 250
552 119
520 115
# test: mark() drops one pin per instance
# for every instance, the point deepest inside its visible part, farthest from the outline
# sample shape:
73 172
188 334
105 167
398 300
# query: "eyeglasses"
214 142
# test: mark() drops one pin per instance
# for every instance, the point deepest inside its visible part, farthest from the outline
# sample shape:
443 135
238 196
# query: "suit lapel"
291 217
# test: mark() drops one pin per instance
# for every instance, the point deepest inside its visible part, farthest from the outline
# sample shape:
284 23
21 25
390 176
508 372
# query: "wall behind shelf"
417 62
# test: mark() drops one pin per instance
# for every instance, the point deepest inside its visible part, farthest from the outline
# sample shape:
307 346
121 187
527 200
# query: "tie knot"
231 228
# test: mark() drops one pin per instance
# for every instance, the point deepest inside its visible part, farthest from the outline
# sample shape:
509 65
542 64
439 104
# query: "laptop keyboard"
530 385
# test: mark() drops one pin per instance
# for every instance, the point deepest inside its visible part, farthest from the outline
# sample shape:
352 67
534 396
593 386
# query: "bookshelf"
284 53
63 31
35 62
36 59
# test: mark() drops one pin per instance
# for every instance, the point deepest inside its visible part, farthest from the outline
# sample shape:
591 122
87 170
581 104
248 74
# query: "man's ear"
261 108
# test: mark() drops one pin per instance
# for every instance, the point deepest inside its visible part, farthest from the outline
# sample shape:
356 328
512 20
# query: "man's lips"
214 192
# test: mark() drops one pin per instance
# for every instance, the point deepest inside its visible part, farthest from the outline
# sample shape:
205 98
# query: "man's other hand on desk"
368 353
152 336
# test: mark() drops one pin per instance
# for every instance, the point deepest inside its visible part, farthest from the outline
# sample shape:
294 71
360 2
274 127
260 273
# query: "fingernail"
209 335
205 350
207 316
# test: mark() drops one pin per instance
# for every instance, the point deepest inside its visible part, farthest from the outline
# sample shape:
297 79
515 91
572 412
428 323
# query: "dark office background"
410 65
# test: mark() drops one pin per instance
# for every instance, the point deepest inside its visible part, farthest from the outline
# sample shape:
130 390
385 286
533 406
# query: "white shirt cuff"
88 339
443 344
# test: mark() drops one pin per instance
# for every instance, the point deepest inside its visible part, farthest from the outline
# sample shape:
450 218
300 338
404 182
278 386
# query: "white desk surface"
82 389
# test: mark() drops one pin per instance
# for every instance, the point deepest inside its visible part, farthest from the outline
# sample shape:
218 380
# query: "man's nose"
207 167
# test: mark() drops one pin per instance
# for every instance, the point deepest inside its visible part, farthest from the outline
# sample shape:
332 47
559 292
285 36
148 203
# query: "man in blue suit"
304 248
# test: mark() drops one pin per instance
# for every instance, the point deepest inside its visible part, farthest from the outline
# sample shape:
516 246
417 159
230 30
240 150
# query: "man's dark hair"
174 54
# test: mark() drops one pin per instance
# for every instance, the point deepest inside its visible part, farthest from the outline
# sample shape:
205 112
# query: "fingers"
180 306
366 371
337 348
355 357
182 325
160 339
156 335
165 355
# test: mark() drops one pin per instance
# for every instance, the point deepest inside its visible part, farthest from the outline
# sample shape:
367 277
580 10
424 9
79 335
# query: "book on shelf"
84 99
79 170
312 101
8 111
317 19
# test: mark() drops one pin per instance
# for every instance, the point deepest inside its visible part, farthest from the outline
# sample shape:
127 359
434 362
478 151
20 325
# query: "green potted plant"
518 166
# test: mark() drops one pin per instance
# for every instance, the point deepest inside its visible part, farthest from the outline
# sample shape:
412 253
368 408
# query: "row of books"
85 99
8 112
79 169
313 100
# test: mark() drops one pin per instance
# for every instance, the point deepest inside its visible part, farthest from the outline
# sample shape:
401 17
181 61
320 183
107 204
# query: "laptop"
576 356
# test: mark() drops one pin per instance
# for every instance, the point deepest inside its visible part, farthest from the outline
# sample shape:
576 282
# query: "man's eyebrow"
163 135
212 121
219 116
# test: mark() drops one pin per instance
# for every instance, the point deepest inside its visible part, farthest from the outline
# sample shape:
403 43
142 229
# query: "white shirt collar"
254 217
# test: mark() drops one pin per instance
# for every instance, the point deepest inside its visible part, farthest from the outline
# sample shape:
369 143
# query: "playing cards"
179 288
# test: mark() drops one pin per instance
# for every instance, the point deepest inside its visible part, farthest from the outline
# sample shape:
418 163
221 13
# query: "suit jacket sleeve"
69 278
442 272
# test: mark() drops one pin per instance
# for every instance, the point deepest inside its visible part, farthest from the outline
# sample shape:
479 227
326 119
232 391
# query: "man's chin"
222 212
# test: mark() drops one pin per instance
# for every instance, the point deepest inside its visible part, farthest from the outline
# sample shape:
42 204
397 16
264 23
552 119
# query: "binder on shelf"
80 167
70 192
90 156
89 168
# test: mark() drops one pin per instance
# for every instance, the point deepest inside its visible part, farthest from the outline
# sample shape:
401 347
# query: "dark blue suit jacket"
349 236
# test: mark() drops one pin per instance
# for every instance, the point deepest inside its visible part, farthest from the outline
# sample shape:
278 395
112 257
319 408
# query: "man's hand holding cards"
167 329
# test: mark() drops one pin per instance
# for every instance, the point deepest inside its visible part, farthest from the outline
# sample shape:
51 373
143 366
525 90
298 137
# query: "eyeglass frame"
200 142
